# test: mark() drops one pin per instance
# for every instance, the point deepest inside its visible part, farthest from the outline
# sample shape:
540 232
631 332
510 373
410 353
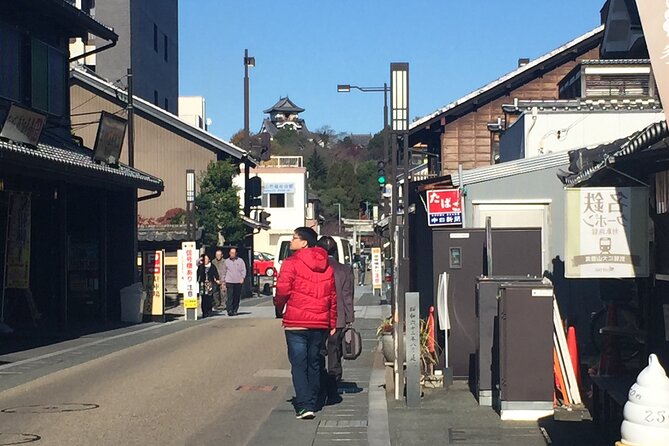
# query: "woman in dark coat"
207 277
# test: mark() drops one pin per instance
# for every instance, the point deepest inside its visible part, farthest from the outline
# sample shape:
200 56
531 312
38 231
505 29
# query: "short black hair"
307 234
327 243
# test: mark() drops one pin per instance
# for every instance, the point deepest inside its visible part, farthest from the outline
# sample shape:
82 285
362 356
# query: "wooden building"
164 144
460 132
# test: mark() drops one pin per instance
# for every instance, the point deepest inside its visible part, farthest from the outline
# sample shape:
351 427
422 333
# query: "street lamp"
346 88
190 202
248 62
399 103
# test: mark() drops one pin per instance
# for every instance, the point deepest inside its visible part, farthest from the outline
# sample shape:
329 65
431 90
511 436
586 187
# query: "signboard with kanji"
377 275
189 256
153 264
607 232
444 207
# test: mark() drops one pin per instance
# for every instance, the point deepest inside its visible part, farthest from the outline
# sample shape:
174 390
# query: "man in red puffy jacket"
306 289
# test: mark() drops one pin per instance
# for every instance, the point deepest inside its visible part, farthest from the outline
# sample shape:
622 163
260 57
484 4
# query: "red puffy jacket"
306 287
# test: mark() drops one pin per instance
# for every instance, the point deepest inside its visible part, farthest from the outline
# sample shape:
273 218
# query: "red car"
263 264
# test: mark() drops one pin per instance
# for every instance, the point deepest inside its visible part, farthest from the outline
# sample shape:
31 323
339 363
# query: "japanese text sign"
377 275
607 232
153 264
190 271
444 207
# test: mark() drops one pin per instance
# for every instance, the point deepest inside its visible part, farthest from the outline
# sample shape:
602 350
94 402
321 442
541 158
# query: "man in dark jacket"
306 290
343 275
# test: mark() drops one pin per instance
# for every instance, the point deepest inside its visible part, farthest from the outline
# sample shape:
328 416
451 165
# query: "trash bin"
132 303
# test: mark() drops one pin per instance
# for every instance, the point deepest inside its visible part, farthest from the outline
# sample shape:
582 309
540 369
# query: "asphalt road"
179 389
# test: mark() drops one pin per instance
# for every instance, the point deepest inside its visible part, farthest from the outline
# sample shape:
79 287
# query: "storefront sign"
18 241
655 23
278 188
444 207
607 232
23 125
189 255
153 264
377 275
181 272
109 139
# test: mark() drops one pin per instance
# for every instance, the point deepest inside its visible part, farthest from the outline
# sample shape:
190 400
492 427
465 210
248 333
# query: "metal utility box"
525 358
462 253
487 291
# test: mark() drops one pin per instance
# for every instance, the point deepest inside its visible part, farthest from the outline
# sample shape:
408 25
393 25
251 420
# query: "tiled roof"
285 105
79 160
169 233
533 65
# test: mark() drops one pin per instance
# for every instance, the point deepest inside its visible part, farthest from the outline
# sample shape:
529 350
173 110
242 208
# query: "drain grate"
51 408
482 436
8 438
249 388
343 423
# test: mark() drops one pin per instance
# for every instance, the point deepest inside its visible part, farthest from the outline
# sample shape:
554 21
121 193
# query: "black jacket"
212 275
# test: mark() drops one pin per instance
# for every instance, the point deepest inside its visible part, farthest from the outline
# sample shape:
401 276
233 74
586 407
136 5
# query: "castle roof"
285 105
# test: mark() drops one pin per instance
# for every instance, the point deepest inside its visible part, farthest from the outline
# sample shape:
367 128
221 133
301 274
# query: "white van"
344 252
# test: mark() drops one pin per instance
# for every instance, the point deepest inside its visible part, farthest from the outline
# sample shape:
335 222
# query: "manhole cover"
52 408
7 439
257 388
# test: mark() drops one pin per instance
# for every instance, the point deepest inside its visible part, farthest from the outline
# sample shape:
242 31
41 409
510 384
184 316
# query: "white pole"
461 187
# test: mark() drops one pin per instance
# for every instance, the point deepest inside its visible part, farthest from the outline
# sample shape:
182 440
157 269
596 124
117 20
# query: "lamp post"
345 88
399 103
190 201
248 62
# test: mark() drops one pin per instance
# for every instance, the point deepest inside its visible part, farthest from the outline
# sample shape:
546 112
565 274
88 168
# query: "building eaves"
499 83
582 105
510 168
615 62
639 141
285 105
77 161
103 86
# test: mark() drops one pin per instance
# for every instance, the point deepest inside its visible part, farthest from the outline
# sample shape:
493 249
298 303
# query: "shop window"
10 73
47 82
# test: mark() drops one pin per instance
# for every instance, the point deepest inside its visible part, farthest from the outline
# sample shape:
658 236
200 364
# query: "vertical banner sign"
444 208
191 285
181 276
377 276
412 349
153 263
18 241
654 16
607 232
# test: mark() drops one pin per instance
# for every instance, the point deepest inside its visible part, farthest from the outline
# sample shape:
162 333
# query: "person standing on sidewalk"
207 277
306 288
344 280
362 269
235 273
219 290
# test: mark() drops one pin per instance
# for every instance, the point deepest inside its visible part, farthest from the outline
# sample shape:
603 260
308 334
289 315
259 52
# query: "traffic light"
264 218
254 194
381 173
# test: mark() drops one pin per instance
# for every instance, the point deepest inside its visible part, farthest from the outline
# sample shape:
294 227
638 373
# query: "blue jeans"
304 354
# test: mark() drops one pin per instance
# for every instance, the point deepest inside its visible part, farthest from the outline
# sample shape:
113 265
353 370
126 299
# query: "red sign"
444 207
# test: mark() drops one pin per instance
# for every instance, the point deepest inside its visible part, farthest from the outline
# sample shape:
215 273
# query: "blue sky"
304 48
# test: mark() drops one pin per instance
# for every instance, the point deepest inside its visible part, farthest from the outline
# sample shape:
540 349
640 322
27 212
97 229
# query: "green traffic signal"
382 180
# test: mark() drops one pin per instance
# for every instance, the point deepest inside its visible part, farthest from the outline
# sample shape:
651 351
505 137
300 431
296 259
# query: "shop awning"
75 163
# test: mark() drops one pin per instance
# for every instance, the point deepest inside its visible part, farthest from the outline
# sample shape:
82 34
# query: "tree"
318 170
324 135
217 204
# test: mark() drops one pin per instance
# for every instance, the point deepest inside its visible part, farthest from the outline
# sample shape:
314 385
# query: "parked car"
263 264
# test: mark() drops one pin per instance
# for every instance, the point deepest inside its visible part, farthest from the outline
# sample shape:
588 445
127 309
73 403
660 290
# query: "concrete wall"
134 23
562 131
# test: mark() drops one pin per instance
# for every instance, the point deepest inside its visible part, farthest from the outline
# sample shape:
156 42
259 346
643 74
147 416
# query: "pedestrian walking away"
306 296
362 269
343 276
207 277
220 291
235 273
